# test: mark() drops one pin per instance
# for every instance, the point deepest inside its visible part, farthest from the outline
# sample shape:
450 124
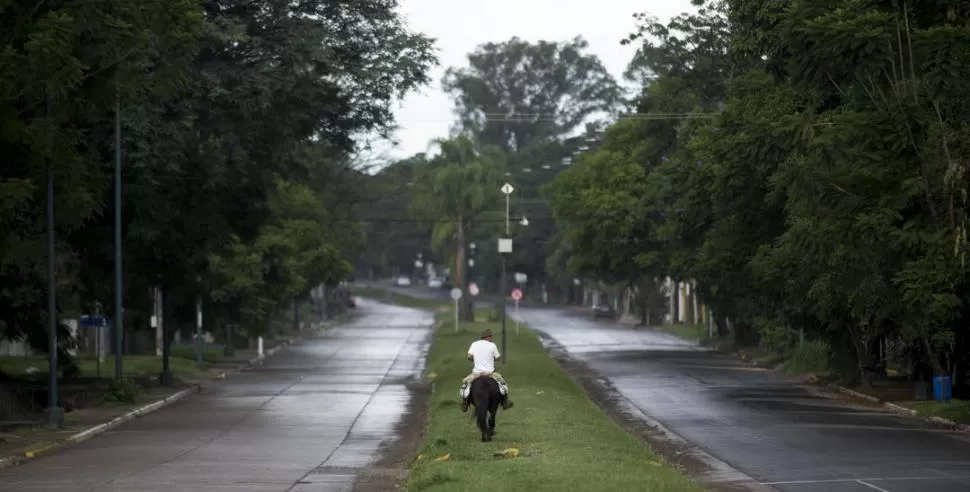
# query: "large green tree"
239 120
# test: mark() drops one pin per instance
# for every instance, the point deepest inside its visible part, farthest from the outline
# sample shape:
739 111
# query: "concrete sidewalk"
308 419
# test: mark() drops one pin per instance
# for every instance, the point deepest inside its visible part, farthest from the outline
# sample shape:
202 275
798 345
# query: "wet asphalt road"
783 435
307 420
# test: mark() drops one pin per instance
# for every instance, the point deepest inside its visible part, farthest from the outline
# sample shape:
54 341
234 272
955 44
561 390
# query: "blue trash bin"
942 388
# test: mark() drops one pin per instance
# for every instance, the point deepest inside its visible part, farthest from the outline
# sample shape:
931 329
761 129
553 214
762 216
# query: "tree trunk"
675 302
933 358
860 342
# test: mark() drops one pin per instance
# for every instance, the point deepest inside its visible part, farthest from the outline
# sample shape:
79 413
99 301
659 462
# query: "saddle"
466 384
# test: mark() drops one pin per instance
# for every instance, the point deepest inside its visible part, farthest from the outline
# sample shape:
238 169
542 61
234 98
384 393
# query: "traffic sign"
507 189
516 295
473 289
455 294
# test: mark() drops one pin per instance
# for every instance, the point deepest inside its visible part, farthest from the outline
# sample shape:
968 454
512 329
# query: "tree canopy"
803 164
240 122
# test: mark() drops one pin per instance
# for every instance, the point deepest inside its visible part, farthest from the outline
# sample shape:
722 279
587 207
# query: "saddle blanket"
466 384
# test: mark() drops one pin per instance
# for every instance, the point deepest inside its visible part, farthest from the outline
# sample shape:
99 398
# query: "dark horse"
486 397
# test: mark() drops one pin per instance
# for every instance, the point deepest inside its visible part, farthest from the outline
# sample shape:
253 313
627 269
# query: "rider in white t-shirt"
484 353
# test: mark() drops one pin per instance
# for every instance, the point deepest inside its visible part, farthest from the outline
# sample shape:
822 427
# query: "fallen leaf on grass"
655 463
419 457
443 458
507 453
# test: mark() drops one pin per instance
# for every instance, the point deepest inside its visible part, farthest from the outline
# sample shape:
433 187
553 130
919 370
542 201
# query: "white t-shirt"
483 354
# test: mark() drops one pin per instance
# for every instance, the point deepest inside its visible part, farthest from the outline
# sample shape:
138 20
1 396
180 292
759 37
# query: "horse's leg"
492 410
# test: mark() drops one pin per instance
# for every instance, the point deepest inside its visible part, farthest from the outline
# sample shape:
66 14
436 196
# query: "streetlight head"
524 221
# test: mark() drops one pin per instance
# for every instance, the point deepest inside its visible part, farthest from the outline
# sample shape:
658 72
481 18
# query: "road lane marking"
871 486
870 479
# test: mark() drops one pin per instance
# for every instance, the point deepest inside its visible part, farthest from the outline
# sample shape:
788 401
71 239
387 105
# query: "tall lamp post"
118 309
505 249
55 415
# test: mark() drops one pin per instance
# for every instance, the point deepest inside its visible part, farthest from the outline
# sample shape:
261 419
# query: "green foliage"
123 391
239 129
818 184
809 357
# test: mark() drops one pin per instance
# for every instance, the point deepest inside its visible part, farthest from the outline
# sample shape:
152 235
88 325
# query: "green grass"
697 333
564 441
133 365
397 298
956 410
209 354
808 357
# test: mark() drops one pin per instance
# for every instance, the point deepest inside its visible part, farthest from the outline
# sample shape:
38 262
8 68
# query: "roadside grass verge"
397 298
955 410
564 441
132 365
694 333
809 357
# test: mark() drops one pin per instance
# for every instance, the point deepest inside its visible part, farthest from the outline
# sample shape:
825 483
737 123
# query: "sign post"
456 296
516 296
507 190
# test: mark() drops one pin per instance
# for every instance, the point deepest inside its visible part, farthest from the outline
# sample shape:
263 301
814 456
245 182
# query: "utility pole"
55 416
118 311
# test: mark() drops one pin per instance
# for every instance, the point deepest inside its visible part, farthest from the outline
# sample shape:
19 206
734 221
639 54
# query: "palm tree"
458 187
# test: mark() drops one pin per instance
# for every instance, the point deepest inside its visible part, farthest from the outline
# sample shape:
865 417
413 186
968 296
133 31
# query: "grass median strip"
397 298
564 441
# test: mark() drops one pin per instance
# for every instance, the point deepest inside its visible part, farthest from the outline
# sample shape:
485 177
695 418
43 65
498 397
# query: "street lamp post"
118 311
55 415
505 248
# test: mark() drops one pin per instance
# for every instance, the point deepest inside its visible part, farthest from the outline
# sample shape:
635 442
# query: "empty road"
781 434
306 420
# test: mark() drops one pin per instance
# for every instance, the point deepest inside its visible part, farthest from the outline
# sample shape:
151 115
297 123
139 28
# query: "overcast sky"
460 26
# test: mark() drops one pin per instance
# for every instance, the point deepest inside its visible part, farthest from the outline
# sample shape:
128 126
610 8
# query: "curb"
90 432
899 409
892 407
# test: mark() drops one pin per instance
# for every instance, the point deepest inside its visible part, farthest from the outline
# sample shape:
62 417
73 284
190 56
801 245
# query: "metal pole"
505 355
507 228
200 341
118 311
55 416
516 318
456 315
99 332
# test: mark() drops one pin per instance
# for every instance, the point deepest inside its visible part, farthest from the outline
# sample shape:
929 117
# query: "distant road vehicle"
604 311
402 282
435 283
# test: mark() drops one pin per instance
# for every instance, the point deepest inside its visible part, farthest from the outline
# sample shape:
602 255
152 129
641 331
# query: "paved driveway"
307 420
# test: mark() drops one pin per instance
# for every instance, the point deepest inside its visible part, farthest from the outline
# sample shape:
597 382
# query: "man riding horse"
483 353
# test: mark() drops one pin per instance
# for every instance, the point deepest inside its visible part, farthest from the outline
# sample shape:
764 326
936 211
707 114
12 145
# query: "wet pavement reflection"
780 433
308 419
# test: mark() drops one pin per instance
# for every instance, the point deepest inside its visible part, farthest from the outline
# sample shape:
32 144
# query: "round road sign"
455 294
516 295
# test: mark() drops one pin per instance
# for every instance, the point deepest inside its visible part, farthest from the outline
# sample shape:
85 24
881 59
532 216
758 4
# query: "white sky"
461 25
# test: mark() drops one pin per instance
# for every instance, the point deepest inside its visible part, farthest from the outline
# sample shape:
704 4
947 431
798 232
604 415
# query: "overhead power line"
538 117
